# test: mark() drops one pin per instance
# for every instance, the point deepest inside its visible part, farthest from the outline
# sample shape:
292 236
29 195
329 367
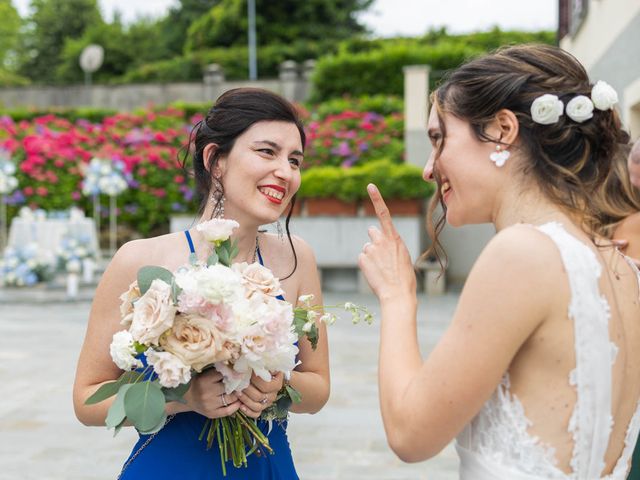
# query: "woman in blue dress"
247 154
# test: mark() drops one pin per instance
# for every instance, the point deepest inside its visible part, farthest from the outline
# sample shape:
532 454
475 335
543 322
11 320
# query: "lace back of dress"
591 421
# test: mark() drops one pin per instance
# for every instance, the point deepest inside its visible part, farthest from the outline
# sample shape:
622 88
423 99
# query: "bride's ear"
208 153
505 127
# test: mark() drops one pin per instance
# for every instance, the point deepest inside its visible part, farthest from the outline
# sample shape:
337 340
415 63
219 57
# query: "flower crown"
548 108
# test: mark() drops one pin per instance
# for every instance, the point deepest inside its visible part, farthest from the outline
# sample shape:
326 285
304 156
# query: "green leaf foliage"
144 405
117 414
176 394
294 394
146 276
110 389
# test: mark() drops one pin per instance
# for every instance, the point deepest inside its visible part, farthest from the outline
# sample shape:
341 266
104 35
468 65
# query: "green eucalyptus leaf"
110 389
213 258
146 275
175 291
144 405
156 428
224 257
176 394
116 413
293 394
119 427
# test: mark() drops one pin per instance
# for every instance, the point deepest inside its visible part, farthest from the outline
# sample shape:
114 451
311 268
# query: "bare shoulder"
521 246
135 254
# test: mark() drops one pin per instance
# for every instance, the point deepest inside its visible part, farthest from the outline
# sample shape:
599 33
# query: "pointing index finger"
382 211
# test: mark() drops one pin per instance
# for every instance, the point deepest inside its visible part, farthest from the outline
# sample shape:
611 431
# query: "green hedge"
394 180
380 71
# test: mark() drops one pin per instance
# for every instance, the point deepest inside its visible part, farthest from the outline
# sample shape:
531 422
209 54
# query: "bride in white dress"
538 375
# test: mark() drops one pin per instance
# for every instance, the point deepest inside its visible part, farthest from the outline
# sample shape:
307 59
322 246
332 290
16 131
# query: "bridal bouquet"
207 315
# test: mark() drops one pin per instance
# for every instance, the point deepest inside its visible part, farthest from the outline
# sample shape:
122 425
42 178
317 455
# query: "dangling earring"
217 199
500 156
279 231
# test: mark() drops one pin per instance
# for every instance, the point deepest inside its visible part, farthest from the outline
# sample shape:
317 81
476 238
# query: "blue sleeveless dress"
175 453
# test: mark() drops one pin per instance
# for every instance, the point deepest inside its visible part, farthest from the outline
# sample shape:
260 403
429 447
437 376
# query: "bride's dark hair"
568 160
233 113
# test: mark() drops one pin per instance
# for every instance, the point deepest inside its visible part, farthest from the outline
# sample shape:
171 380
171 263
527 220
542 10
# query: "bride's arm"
425 404
311 377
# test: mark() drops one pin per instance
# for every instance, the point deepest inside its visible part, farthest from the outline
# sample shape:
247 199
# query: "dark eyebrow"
277 147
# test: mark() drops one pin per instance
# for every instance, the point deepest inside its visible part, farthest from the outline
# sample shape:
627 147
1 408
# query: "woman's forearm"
400 358
313 388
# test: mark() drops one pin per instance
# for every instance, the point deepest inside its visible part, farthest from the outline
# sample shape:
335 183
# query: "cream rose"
217 230
196 342
170 369
258 278
603 95
127 299
153 313
580 109
546 109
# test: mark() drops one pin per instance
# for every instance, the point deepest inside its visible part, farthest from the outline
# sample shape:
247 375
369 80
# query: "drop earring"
500 156
279 231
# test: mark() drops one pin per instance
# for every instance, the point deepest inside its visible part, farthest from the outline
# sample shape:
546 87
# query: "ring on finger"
264 400
224 401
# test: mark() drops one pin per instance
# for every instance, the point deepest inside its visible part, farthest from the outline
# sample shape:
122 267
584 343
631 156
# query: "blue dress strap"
191 248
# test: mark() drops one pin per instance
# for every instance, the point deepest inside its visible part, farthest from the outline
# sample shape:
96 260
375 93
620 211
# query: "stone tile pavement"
41 439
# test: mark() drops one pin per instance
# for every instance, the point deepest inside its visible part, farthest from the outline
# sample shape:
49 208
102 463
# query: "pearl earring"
500 156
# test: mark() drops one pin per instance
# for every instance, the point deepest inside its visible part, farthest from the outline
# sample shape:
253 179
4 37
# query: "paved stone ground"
41 439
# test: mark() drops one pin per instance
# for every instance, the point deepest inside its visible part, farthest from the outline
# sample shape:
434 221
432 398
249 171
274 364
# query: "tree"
279 22
9 29
175 25
49 25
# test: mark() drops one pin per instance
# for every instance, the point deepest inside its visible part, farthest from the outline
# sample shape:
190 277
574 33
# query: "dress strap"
259 256
191 247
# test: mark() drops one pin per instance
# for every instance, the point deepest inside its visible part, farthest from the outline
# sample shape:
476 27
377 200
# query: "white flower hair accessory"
603 95
546 109
580 109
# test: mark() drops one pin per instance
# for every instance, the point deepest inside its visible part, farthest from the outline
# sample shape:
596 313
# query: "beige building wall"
608 45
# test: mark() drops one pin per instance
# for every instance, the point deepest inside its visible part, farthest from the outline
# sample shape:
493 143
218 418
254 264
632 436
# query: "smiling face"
262 172
467 179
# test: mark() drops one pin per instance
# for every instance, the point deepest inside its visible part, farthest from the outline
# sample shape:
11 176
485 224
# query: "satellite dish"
91 58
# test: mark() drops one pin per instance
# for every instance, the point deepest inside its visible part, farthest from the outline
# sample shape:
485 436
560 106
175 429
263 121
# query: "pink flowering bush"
51 151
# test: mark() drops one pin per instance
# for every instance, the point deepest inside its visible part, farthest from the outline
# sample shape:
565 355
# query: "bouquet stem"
238 436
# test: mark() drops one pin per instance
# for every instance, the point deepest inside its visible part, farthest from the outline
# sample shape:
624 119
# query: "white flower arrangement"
204 315
104 176
24 266
548 108
71 252
8 181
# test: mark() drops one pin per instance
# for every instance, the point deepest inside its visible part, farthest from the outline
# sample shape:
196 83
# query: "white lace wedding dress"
496 444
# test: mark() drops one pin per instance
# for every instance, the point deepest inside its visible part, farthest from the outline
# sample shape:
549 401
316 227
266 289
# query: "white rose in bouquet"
170 369
123 352
127 299
217 229
153 313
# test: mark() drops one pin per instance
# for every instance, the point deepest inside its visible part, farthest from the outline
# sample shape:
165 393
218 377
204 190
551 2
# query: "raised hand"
260 394
206 396
385 260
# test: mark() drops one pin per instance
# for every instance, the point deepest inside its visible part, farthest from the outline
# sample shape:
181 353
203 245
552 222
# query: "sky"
395 17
